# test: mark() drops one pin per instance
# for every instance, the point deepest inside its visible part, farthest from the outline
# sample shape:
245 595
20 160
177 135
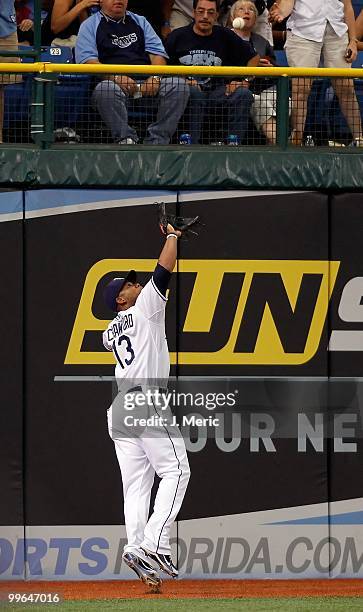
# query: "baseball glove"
186 225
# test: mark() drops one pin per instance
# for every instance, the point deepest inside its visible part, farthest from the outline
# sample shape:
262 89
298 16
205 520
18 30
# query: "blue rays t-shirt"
125 41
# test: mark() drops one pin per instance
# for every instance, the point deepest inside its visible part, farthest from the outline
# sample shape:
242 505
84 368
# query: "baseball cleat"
164 562
144 571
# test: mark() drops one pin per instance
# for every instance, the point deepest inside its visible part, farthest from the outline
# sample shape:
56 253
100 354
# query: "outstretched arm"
162 273
168 255
64 13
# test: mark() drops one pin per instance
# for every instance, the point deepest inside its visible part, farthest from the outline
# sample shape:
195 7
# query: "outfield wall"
267 301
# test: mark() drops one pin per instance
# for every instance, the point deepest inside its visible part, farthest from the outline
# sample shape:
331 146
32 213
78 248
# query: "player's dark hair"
216 2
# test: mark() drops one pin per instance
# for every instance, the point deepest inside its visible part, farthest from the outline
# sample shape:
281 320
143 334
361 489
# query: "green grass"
306 604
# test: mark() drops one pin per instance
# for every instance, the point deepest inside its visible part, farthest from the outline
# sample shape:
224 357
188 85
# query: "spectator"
24 10
176 14
263 109
63 21
262 25
117 36
8 42
205 44
315 27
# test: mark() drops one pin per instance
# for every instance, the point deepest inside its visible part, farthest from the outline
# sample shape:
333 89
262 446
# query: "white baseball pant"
162 452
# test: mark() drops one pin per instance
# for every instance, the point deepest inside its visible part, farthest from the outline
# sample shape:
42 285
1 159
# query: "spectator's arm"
151 86
254 61
359 25
157 60
86 47
63 15
359 30
166 7
281 9
350 21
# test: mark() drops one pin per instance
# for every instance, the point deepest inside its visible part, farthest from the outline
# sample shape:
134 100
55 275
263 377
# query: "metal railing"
278 107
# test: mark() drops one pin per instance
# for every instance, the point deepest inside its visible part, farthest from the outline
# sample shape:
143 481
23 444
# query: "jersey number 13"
130 355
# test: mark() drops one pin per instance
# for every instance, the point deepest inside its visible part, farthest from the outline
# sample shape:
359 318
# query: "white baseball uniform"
137 338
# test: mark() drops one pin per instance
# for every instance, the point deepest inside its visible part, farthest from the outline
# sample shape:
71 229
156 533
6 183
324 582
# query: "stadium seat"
71 94
71 90
57 55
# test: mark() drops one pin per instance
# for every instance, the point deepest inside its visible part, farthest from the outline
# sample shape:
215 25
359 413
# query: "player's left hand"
171 230
181 226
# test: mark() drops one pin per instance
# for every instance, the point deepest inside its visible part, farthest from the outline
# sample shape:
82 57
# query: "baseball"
238 23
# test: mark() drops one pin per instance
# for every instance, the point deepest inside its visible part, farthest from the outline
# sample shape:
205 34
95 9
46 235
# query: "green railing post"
282 112
37 28
37 111
49 99
42 110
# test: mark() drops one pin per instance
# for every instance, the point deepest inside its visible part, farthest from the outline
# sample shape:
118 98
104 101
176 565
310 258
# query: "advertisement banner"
250 300
263 325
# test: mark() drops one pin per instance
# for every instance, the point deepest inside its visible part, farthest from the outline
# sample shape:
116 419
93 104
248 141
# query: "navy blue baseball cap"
114 287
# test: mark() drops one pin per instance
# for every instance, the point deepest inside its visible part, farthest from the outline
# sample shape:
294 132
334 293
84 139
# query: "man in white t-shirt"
315 28
146 439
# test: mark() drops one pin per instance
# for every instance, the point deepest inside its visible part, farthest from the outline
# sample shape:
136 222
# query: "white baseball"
238 23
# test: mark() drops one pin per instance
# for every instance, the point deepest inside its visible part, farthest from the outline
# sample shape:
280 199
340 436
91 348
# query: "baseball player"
137 338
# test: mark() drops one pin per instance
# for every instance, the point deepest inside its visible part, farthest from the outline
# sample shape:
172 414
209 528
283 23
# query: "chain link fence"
53 106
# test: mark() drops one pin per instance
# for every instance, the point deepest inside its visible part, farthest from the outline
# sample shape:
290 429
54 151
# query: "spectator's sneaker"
357 142
164 562
334 143
126 141
66 134
144 570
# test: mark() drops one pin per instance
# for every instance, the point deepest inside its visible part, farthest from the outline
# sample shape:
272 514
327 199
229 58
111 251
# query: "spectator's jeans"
111 102
231 112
